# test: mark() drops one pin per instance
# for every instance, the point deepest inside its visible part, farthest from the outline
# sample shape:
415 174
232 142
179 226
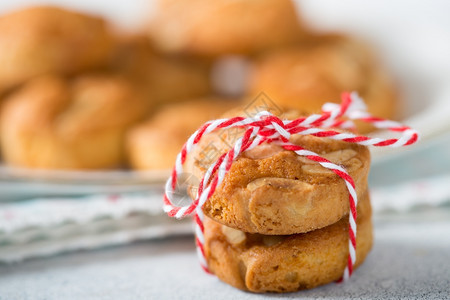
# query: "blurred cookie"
307 76
268 263
45 39
163 78
307 195
53 123
224 27
155 143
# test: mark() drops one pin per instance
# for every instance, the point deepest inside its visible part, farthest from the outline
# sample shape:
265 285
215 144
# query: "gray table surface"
410 259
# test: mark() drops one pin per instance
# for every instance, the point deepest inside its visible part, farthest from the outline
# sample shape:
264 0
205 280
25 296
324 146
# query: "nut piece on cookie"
340 157
234 236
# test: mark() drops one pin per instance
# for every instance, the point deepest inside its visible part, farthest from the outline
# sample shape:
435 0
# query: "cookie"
221 27
269 190
155 143
306 76
45 39
56 123
267 263
162 78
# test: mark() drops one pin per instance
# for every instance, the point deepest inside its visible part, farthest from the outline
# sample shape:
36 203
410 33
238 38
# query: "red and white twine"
267 128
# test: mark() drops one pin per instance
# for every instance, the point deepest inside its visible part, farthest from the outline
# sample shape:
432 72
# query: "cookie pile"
77 93
71 87
291 65
279 222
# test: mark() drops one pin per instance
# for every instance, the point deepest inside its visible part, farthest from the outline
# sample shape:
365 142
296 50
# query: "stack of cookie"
279 222
71 87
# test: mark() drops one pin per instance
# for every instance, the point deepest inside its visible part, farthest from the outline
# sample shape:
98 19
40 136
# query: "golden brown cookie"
42 40
265 263
155 143
307 76
269 190
224 27
54 123
163 78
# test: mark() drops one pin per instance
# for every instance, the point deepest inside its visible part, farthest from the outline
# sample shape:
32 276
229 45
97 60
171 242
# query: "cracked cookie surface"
269 190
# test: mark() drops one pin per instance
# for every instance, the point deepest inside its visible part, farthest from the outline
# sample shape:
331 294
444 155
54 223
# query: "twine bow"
267 128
